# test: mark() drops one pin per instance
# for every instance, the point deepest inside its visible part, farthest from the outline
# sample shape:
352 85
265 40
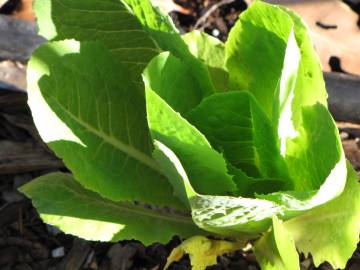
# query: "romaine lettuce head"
234 137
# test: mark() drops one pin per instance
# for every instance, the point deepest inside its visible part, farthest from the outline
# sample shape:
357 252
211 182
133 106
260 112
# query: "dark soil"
27 243
212 16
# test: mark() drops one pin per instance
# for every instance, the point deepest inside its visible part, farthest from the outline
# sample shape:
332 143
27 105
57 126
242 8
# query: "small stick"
20 222
207 14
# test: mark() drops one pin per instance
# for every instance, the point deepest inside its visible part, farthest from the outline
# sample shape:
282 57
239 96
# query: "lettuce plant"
184 135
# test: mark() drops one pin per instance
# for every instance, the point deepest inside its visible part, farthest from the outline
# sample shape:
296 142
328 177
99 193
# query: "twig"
207 14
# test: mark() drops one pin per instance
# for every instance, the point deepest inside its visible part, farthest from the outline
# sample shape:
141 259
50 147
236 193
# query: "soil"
27 243
212 16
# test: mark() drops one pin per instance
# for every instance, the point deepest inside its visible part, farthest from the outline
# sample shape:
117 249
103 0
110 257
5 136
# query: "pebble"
215 32
58 252
52 229
305 264
344 135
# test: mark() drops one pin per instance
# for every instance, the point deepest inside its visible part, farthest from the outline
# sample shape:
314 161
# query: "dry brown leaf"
26 11
169 5
341 39
21 9
352 152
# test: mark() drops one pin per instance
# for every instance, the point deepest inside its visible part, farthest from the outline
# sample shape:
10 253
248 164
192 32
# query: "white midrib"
128 149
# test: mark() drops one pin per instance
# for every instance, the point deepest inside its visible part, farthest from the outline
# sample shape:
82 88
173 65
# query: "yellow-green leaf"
202 251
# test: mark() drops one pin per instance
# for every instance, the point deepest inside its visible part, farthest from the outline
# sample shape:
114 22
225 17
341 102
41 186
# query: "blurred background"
26 243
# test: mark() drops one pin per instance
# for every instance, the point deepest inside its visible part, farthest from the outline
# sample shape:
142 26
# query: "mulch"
26 243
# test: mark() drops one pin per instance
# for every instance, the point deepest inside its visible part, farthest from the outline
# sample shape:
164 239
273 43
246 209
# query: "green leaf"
275 250
235 124
63 202
110 22
132 30
208 49
240 218
205 167
249 186
161 28
45 24
171 78
314 153
190 74
316 163
284 95
89 105
275 43
310 84
211 52
256 49
330 232
175 172
233 216
94 123
152 18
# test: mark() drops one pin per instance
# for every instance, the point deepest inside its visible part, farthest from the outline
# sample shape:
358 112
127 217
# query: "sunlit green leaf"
63 202
96 125
235 124
255 52
275 250
330 232
205 167
211 51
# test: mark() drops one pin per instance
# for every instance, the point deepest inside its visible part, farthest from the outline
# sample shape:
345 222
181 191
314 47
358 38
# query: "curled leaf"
202 251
